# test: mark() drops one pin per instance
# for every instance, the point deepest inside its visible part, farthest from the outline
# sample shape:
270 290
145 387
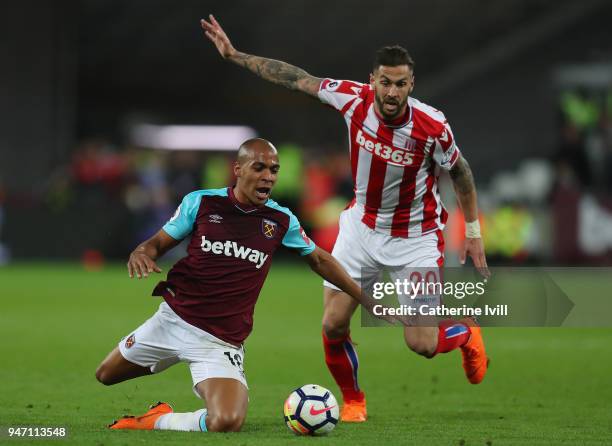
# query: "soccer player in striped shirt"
397 147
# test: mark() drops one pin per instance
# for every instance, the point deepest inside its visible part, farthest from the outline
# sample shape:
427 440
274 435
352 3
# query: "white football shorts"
366 254
166 339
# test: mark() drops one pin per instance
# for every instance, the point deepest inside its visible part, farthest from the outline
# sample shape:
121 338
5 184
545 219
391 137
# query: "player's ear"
236 169
372 79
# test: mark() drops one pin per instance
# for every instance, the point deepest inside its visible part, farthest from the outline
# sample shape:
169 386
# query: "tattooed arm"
465 189
275 71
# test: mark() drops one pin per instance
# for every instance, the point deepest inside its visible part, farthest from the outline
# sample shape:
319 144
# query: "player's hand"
216 35
475 249
141 265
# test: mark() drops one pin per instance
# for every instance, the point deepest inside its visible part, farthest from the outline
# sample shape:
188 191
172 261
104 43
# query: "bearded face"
392 86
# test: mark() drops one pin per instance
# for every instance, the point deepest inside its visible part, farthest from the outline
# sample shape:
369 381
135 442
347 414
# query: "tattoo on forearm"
279 72
462 177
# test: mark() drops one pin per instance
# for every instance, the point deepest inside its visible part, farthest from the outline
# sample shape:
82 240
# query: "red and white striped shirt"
395 167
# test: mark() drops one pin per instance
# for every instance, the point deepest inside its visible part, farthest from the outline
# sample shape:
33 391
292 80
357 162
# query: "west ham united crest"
268 227
130 341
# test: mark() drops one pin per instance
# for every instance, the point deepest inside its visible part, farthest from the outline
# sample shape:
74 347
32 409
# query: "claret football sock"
343 363
188 421
451 335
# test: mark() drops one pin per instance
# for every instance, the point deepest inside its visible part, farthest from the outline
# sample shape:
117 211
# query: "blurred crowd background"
526 86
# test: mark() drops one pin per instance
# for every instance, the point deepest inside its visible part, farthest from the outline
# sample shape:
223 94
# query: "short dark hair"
392 56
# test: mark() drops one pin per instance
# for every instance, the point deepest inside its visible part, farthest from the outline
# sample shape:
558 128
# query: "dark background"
76 70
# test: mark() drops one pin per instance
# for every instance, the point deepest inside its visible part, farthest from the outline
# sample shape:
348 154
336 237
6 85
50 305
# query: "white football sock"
188 421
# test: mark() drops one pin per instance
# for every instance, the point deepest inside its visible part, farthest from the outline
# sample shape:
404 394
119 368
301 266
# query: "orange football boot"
143 422
354 411
475 361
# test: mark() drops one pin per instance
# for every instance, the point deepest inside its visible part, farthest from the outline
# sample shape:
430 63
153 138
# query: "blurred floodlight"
536 178
506 186
190 137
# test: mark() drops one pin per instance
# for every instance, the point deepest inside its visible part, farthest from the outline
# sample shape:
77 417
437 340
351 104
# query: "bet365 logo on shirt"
396 156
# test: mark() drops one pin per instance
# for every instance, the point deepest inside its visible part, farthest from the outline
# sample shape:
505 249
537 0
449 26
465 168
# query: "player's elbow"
224 422
315 266
315 259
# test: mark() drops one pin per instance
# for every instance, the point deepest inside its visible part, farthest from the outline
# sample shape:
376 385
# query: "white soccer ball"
311 410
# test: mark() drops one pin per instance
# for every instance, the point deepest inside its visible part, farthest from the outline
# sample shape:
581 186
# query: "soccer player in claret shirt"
397 147
210 295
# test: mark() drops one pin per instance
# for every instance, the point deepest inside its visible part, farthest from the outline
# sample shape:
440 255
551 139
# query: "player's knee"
334 328
421 345
224 422
335 324
103 375
106 375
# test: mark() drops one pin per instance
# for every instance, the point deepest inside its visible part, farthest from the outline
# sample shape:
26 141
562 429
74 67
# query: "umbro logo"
215 218
444 137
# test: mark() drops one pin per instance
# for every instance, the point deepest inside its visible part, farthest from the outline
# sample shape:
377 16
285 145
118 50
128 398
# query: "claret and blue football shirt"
215 287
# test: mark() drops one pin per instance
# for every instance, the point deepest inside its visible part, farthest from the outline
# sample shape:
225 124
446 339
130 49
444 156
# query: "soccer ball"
311 410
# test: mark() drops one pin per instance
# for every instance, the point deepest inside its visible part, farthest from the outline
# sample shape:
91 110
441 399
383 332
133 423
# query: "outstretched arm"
465 189
326 266
142 259
275 71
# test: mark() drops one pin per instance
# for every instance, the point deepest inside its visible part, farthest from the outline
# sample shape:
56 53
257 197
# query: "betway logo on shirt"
396 156
233 249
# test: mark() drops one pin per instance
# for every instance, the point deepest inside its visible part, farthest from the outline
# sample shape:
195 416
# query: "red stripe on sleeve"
347 106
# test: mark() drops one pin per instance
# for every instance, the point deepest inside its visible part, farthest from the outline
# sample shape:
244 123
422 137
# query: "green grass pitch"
545 386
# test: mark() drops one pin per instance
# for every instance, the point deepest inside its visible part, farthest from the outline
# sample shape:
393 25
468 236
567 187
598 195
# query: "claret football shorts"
366 254
166 339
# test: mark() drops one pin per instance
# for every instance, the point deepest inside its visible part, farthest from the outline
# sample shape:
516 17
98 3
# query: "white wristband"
472 229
